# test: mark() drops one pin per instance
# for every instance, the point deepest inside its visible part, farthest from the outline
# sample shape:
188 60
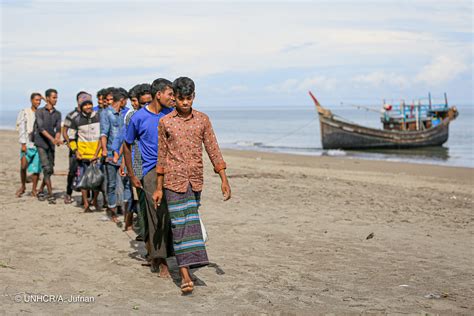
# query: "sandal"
41 196
67 199
51 200
187 288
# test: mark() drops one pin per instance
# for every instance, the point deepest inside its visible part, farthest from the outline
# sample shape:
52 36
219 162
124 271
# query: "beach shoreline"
302 235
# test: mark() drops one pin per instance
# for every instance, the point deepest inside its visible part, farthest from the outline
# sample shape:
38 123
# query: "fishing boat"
405 126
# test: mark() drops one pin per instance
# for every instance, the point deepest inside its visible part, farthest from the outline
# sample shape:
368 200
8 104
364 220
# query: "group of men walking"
151 156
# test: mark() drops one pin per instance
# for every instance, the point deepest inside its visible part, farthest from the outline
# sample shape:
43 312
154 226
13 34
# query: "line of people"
151 156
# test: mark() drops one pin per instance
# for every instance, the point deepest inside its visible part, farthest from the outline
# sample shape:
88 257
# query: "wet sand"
292 241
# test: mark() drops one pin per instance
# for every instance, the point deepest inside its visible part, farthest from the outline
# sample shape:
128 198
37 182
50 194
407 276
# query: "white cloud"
382 78
305 84
441 70
49 41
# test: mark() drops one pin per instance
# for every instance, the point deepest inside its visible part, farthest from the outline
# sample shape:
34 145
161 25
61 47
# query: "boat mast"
429 99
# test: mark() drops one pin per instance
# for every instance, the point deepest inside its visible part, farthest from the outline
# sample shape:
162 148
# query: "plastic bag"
205 236
91 179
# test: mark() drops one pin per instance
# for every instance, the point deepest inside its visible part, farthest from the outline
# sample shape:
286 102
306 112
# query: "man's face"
52 99
184 103
87 109
100 100
135 103
166 97
109 99
36 101
144 99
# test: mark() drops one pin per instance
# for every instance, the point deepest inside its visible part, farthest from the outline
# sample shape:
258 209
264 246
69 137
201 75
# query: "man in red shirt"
181 135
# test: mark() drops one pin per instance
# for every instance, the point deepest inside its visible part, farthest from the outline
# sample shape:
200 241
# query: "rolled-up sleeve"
40 121
162 149
212 147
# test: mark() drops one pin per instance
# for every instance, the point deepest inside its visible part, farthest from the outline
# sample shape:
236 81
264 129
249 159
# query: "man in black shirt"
47 136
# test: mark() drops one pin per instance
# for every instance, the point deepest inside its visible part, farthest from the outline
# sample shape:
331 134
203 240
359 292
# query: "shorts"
33 159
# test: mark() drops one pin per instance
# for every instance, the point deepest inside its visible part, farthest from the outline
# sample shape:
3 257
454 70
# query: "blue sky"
240 53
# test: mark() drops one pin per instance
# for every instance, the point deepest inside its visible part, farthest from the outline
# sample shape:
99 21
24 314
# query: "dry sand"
291 241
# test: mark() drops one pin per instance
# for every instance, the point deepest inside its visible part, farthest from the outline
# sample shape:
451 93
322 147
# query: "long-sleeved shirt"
25 126
86 131
111 124
180 143
49 121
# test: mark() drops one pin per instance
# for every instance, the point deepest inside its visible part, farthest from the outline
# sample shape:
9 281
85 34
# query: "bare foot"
164 271
20 192
34 193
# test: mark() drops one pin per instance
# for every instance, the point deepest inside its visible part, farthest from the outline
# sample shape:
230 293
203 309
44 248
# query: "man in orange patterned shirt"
181 135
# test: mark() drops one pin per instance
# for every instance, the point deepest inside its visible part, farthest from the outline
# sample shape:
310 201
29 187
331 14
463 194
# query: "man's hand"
116 157
78 155
157 197
121 171
104 153
225 187
23 148
135 181
57 141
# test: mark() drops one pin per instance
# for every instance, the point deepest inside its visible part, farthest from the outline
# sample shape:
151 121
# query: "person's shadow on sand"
139 254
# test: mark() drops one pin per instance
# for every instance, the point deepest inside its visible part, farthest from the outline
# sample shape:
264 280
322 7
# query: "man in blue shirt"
143 128
111 124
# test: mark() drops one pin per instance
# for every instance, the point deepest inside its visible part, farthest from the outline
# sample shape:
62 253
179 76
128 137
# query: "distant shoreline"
314 160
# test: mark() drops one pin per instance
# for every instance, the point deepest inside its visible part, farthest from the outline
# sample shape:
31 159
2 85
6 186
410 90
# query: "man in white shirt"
29 156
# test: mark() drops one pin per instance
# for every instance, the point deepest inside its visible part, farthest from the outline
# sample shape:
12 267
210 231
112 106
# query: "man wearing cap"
85 128
68 137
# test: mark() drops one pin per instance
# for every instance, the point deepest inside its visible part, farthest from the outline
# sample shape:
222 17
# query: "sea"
296 130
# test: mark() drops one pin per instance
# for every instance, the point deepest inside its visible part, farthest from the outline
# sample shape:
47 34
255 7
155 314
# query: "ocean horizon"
296 130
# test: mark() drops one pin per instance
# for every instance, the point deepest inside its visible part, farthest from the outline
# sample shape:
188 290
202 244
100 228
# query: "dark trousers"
47 161
72 172
157 220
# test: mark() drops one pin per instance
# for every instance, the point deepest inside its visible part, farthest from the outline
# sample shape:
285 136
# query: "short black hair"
78 94
119 93
132 93
34 95
49 91
109 90
183 86
100 93
160 84
143 89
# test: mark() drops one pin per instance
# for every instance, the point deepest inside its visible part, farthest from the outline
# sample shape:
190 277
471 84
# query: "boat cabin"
415 116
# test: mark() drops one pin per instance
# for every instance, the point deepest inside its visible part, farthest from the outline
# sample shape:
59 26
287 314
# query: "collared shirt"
110 126
143 128
25 126
49 121
180 154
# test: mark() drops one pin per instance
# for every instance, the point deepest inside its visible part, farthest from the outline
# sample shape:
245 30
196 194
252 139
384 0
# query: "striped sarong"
188 242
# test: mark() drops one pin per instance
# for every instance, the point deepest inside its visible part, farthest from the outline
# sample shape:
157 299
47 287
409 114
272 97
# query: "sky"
240 53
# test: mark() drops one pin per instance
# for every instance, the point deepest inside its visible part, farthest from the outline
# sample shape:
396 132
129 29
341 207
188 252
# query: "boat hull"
337 134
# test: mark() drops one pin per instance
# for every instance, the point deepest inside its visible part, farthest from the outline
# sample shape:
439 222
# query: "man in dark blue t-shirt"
143 128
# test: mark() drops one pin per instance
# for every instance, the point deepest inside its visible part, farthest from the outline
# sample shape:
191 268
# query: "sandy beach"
291 241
